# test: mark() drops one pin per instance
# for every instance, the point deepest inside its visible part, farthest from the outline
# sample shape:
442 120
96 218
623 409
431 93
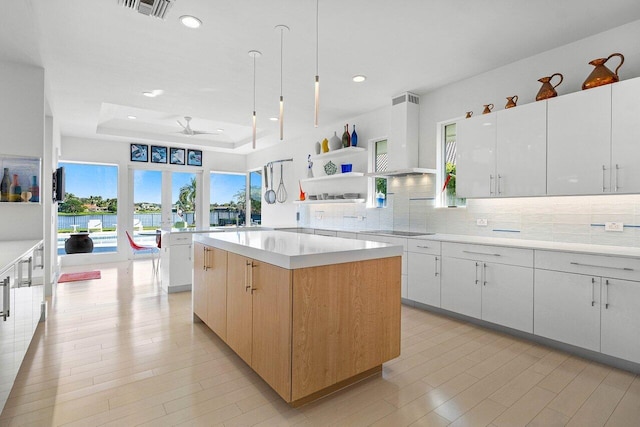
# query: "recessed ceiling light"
131 117
190 21
273 119
220 130
153 93
359 78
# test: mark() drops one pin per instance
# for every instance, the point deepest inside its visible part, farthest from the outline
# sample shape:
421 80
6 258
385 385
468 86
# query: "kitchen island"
310 314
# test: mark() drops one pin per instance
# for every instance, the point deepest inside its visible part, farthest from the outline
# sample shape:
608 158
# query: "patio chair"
137 224
94 224
139 249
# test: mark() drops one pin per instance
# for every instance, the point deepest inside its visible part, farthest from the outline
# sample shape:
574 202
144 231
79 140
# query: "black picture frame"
177 156
139 153
194 157
158 154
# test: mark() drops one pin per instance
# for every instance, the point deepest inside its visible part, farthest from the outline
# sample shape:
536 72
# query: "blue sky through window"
84 180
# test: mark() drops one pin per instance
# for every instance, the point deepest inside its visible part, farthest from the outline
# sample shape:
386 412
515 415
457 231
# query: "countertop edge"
11 251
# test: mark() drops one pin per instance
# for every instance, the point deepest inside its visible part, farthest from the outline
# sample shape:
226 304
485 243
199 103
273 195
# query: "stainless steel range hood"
404 138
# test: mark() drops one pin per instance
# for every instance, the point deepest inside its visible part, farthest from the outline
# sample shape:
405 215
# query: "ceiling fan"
186 129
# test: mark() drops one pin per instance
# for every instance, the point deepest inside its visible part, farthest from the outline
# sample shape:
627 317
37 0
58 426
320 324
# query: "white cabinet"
329 233
579 142
503 154
490 283
476 159
423 271
589 301
625 136
176 262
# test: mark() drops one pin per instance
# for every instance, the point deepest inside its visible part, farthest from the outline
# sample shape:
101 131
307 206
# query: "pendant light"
254 54
317 83
282 28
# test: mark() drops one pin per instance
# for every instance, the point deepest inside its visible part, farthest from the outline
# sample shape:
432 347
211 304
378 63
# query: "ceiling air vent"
156 8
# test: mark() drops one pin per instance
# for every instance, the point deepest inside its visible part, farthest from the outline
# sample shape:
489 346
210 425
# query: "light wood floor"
119 352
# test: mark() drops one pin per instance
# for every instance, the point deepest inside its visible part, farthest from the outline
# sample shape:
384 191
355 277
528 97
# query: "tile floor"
119 352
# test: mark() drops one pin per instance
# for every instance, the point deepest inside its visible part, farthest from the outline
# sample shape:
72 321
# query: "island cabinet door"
199 293
216 296
239 305
271 351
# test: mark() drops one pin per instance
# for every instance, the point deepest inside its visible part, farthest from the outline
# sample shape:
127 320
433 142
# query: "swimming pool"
104 242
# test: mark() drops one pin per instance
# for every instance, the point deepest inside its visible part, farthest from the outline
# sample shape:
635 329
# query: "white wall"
22 124
101 151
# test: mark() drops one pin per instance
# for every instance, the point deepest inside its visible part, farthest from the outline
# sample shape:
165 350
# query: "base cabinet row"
295 328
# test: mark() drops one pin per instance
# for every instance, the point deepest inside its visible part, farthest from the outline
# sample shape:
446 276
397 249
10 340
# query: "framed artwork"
158 154
139 153
177 156
194 157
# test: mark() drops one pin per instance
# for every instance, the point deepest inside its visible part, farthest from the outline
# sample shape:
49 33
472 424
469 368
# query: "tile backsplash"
411 206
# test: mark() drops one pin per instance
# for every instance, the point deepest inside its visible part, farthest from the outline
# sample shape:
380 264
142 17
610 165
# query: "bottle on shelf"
34 189
335 143
15 189
346 138
354 137
5 186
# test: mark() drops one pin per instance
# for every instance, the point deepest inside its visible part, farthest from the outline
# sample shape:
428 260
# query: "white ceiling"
99 57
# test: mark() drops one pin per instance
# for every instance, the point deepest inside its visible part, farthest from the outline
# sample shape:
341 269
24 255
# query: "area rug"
75 277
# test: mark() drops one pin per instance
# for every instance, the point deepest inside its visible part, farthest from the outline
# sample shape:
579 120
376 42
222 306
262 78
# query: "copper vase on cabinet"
487 108
511 101
548 90
601 75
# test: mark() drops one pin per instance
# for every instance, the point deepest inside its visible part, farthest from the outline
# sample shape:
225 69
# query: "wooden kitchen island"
310 314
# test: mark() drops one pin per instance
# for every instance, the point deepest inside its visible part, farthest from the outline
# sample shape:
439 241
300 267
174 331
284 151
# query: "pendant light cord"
254 84
317 34
281 54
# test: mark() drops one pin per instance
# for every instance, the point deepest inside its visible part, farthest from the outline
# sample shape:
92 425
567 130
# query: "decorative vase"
346 139
5 186
34 190
318 147
511 101
487 108
354 137
15 191
325 145
335 143
302 196
548 90
601 75
469 114
78 243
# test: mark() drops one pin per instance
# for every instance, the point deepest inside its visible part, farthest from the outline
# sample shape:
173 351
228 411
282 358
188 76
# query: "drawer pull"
480 253
423 247
579 264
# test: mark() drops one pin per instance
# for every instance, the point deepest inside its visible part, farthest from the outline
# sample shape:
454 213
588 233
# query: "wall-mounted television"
58 184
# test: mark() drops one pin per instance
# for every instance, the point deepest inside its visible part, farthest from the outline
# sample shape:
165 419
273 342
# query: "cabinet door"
181 266
216 297
424 279
8 368
521 151
22 313
579 142
239 305
507 296
199 293
625 136
567 308
271 352
460 286
476 157
621 319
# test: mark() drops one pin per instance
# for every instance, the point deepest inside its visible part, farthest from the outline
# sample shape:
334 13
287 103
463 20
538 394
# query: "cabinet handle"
206 267
615 185
606 304
480 253
423 247
593 294
476 273
499 189
490 184
436 274
601 266
21 264
5 297
40 252
247 285
484 274
603 183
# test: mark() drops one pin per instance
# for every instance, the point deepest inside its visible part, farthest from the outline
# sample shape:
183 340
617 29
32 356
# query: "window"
147 199
90 205
447 169
255 185
380 162
183 199
227 199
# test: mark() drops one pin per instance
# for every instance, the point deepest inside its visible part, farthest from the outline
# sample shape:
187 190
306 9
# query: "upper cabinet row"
583 143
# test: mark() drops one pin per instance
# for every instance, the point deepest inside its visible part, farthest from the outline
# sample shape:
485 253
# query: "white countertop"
293 250
11 251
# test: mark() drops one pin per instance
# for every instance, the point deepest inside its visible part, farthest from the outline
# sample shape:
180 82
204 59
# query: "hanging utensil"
281 195
266 185
270 195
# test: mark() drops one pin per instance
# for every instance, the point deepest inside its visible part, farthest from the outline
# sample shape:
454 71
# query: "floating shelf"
339 153
316 202
334 176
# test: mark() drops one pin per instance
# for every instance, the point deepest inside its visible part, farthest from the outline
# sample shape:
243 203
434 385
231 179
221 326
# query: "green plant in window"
450 180
381 185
